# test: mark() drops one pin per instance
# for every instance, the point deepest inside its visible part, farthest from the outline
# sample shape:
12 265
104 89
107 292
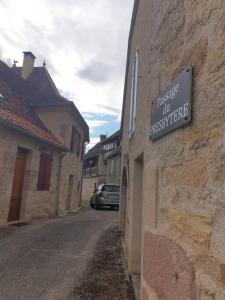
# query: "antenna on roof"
15 62
44 63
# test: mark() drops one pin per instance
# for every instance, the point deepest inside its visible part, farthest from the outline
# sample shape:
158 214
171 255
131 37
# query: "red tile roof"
30 128
15 110
45 93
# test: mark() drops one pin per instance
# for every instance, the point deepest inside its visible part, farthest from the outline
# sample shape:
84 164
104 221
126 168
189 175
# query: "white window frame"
133 102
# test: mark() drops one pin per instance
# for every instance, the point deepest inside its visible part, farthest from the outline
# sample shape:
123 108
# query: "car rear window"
111 188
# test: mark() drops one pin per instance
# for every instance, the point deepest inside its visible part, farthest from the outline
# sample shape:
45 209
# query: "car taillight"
100 195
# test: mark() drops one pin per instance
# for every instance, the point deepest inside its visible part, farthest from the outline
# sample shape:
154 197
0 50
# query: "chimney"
102 138
28 64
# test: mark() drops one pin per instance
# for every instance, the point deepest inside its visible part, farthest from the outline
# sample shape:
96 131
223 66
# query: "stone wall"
113 170
89 184
35 204
61 123
183 183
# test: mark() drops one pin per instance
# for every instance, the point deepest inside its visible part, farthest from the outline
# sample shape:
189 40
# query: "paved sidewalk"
46 259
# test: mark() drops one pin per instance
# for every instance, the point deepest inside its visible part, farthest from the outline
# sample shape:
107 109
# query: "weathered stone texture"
61 123
35 204
88 188
217 245
144 295
171 275
184 186
113 170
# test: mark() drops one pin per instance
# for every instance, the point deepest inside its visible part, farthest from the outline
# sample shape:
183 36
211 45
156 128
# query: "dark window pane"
111 188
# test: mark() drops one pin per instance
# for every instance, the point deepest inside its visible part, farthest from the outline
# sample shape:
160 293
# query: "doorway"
137 211
17 187
69 192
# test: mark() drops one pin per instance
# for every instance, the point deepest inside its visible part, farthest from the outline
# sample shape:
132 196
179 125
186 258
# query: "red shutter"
48 169
41 173
72 140
82 149
44 175
78 143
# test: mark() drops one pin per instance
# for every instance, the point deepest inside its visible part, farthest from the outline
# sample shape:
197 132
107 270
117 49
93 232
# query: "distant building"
101 164
113 158
42 138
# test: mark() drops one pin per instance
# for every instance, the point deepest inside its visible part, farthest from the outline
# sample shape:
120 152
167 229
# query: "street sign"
172 108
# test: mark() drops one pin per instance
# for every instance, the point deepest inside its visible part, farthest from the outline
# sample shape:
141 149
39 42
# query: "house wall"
183 216
113 170
88 187
102 167
61 123
35 203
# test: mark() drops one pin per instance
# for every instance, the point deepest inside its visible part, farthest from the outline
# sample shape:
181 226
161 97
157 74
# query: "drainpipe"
81 184
58 183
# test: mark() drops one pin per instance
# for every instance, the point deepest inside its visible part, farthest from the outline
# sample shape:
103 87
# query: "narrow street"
46 259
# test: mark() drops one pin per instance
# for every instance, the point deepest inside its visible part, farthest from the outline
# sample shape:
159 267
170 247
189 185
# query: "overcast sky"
84 43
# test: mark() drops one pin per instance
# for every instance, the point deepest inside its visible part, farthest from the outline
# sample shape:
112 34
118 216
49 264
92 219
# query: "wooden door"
17 187
69 192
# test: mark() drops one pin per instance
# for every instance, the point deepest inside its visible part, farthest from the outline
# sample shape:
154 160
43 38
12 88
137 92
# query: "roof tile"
29 127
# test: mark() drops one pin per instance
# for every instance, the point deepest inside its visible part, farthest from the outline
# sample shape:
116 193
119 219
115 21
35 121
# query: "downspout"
58 183
82 176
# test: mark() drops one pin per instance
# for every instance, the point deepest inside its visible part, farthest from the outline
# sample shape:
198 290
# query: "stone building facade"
102 164
172 189
42 138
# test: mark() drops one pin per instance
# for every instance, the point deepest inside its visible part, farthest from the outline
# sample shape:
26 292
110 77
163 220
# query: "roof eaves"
51 81
66 103
113 136
13 126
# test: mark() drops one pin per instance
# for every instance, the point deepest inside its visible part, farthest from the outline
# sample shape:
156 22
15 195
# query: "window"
75 146
82 149
73 140
78 144
44 174
110 188
133 104
108 147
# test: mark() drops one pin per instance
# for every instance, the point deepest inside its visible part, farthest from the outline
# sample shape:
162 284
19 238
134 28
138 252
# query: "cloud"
114 110
98 72
93 141
96 123
84 43
87 116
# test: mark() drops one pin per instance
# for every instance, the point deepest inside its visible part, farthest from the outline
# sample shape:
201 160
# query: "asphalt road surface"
46 259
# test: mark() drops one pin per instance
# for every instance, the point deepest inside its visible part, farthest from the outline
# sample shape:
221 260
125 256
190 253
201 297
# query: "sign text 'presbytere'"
172 108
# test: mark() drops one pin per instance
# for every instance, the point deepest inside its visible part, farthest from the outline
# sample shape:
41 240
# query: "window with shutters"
78 144
75 146
133 104
73 140
44 174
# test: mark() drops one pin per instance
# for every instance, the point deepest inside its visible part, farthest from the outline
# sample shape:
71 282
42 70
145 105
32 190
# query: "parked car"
106 195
